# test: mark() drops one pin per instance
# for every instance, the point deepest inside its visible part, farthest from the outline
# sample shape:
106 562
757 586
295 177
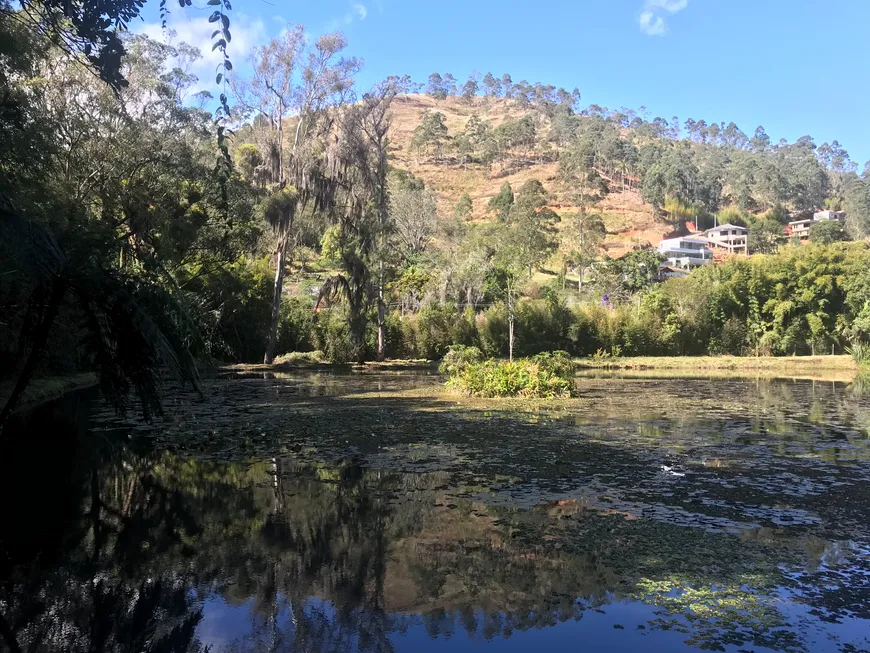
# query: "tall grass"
546 376
860 352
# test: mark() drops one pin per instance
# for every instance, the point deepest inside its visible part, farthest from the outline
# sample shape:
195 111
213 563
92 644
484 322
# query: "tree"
449 84
469 91
585 240
431 134
435 87
531 227
502 202
826 232
288 78
464 207
765 235
507 86
133 327
491 86
358 167
414 213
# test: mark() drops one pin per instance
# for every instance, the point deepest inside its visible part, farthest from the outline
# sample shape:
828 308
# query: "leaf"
213 3
215 17
215 33
217 80
225 20
228 65
220 44
227 35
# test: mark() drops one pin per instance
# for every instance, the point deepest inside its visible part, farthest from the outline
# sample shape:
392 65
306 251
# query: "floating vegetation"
722 515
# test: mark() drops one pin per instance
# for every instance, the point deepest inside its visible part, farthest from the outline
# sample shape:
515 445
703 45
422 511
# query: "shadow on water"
367 512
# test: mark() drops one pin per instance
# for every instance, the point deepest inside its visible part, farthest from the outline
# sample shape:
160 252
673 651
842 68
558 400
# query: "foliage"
826 232
457 358
464 207
860 352
528 378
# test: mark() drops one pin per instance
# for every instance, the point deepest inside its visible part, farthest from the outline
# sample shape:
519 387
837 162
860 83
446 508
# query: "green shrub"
458 358
558 363
520 378
302 358
860 352
332 335
430 333
492 330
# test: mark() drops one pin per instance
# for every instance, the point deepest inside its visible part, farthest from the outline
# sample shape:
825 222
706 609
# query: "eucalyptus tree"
309 81
585 241
359 203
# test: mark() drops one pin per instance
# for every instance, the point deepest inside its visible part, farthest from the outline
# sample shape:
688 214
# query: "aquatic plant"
546 376
458 358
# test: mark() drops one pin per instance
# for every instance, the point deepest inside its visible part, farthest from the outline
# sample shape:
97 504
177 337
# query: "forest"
149 226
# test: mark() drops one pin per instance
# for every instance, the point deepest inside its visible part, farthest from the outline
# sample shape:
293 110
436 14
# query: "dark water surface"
371 512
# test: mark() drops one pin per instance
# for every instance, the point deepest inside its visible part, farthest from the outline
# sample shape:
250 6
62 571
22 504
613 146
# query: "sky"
795 67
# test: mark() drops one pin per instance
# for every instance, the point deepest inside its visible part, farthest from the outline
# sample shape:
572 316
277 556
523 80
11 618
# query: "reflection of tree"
334 557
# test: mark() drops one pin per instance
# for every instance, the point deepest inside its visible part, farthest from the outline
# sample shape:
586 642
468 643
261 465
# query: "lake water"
373 512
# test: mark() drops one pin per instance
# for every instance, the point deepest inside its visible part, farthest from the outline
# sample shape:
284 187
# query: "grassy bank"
285 366
787 365
40 391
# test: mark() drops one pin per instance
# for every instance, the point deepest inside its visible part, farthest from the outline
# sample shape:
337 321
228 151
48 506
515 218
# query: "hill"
629 220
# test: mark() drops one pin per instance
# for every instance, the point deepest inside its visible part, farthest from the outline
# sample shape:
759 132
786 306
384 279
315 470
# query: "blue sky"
796 67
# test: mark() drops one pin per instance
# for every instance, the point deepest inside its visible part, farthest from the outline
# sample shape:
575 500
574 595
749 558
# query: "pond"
375 512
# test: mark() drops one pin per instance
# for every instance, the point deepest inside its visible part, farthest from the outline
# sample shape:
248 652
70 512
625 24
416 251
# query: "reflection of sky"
224 624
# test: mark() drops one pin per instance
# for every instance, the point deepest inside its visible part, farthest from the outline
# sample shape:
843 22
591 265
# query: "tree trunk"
382 321
40 340
276 302
511 335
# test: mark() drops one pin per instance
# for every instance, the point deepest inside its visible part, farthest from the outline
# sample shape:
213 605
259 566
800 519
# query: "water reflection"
546 530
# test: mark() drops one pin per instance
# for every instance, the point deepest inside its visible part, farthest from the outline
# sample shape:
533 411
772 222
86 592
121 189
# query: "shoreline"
784 364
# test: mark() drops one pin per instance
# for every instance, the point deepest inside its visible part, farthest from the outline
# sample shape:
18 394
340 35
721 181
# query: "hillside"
629 220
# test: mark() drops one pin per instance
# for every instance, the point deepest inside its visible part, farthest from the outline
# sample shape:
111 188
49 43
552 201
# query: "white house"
839 216
729 237
686 252
800 229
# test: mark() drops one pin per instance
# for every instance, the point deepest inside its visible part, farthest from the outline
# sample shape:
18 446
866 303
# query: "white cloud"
652 19
357 11
196 31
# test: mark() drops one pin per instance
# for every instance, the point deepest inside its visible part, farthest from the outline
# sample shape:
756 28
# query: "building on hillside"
730 237
668 272
686 252
799 229
820 216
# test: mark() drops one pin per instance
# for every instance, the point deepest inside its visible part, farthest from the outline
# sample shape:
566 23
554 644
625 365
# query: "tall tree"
435 87
491 86
585 240
308 81
531 226
469 91
502 202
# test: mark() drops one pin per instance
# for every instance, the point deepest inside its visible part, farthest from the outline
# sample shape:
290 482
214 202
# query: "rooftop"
722 227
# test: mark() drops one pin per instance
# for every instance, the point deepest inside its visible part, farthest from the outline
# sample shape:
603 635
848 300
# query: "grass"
782 364
40 391
309 361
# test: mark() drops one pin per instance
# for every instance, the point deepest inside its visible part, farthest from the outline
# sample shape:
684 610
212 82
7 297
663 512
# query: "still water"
372 512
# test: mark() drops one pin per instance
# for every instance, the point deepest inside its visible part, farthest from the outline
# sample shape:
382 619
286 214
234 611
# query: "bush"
431 332
458 359
332 335
524 377
558 363
860 352
302 358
